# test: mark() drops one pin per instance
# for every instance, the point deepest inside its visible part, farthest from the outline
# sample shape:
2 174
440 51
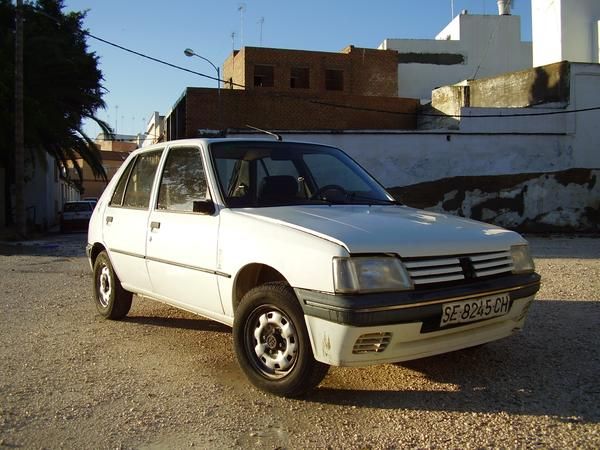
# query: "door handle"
155 225
109 219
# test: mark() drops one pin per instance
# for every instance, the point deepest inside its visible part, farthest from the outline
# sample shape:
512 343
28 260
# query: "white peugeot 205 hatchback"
305 255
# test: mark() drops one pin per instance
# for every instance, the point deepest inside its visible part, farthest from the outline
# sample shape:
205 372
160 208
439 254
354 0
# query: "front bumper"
409 321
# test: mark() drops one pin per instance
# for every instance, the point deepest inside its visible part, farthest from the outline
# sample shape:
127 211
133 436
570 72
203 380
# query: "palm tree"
62 86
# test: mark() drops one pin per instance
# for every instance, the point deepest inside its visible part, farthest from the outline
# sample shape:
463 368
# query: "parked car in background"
93 200
305 255
76 216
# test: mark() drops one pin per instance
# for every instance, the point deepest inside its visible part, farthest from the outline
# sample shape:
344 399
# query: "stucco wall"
536 86
45 192
567 200
489 44
477 174
565 30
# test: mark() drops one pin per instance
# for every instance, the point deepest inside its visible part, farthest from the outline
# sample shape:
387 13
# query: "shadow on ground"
551 369
55 244
180 323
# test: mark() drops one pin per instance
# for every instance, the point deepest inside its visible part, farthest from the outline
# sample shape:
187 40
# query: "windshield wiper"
373 201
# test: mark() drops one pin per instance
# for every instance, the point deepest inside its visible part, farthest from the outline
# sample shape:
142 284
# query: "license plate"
475 309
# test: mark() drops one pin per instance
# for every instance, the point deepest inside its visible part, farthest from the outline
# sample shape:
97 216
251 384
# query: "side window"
117 197
183 180
139 187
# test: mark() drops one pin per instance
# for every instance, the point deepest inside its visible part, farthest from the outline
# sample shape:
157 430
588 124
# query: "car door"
126 221
181 251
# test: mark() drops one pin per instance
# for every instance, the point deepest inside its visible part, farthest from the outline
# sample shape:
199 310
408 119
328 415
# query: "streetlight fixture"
189 52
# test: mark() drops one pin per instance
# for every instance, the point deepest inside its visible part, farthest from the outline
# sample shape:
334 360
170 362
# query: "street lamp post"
189 52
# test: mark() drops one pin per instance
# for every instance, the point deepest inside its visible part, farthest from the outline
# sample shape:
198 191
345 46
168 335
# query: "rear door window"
140 181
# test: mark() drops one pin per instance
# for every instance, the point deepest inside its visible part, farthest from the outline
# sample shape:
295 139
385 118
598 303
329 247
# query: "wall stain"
562 201
440 59
501 204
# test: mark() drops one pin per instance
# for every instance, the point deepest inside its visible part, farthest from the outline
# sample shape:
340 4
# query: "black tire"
112 301
286 365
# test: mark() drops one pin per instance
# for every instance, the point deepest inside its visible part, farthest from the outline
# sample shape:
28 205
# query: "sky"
136 87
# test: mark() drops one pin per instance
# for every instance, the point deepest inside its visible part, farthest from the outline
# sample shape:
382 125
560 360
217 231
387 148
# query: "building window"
334 80
263 76
299 78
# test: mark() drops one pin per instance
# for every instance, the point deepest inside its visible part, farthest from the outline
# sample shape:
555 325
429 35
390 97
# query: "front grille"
444 269
492 263
439 270
372 343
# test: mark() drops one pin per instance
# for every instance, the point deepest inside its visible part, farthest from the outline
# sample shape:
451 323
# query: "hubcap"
104 287
274 341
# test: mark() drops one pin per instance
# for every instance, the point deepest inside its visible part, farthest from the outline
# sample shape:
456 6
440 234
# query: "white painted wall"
484 146
546 32
491 45
597 41
404 158
565 30
585 93
45 193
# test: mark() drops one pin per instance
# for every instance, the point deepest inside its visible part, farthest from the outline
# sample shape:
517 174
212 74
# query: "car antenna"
275 135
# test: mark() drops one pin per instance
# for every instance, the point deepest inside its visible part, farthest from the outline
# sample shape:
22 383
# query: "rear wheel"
272 343
112 301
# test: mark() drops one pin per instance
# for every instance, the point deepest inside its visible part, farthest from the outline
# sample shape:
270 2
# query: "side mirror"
206 207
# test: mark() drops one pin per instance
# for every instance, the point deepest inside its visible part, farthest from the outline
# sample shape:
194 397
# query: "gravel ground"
168 379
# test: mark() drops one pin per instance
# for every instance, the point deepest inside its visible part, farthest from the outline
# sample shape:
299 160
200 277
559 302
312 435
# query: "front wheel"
112 301
272 344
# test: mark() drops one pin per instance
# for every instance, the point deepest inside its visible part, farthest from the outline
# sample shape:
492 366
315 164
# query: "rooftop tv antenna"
261 21
242 9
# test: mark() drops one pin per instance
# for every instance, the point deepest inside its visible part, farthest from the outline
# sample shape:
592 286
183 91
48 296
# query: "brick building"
113 152
278 89
354 71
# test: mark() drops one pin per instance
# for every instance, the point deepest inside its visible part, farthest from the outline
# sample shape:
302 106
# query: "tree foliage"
62 84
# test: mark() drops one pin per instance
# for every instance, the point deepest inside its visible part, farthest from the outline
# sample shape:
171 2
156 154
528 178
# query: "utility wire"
323 103
337 105
151 58
334 105
456 116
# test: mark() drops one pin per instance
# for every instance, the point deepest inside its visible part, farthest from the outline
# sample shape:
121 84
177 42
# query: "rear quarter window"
135 185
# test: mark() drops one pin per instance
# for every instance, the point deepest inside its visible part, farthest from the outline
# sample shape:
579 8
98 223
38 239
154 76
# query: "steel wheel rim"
104 287
271 342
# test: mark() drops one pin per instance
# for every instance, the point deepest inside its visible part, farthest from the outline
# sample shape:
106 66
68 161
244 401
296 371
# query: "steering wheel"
337 190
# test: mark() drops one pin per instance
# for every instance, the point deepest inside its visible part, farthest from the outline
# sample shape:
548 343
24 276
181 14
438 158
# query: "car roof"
209 141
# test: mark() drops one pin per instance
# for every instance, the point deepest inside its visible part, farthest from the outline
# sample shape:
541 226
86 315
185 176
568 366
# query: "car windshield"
254 174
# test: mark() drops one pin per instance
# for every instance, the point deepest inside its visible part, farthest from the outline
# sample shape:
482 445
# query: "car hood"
396 229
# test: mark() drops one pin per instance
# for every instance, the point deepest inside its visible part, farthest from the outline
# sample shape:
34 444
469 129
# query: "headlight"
522 261
370 274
